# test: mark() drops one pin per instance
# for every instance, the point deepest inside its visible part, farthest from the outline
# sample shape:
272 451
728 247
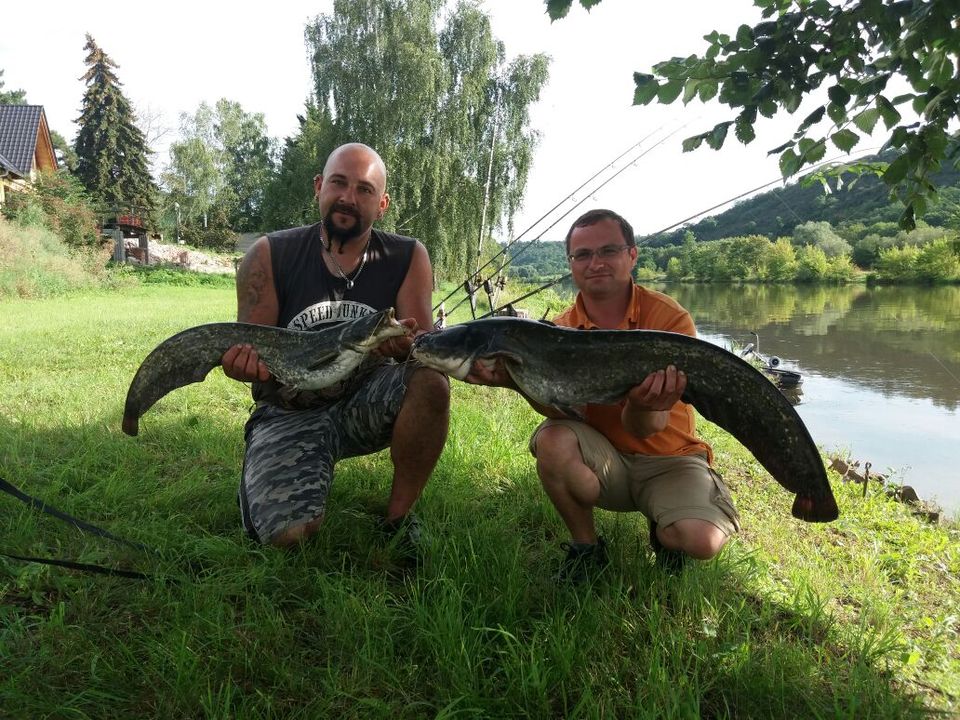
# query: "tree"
812 264
111 150
224 159
247 157
431 91
289 199
11 97
853 50
781 261
821 235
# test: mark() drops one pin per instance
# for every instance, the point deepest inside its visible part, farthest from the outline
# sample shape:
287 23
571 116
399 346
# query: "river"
881 368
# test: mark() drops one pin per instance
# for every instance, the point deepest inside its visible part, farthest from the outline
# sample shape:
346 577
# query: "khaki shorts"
664 488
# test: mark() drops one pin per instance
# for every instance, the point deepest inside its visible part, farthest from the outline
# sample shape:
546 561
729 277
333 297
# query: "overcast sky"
176 54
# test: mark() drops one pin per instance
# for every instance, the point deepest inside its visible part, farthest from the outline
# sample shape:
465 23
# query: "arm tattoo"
251 284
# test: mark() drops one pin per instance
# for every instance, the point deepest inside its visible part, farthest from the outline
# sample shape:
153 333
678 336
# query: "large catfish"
301 360
565 368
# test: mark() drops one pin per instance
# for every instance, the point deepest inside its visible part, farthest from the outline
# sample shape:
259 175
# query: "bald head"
362 154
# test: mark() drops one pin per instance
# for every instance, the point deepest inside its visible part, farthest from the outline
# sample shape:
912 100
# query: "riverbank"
856 618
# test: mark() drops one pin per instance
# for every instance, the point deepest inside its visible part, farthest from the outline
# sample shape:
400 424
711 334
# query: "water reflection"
881 367
895 340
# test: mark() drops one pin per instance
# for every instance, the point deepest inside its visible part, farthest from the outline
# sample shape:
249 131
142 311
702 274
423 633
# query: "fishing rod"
524 297
589 194
466 285
749 192
542 217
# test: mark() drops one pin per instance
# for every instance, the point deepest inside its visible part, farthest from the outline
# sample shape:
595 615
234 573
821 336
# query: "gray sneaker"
405 536
583 562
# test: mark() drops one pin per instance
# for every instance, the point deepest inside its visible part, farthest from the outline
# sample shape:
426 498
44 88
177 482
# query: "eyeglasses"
607 252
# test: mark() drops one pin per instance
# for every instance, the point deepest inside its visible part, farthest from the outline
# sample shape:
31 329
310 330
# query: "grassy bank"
35 263
854 619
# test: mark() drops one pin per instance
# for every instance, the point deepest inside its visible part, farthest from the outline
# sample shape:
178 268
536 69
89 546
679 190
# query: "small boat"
781 377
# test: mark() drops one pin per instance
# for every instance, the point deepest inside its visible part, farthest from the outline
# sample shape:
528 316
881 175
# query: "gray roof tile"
19 125
7 165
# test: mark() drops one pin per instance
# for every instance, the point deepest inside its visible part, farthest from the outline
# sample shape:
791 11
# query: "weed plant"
853 619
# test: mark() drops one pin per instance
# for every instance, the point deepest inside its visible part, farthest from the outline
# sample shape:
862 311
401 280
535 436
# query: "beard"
343 235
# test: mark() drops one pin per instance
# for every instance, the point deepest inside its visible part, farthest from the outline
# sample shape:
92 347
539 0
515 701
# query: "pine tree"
11 97
111 150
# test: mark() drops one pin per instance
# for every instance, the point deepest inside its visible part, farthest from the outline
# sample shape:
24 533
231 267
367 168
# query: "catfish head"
454 350
366 333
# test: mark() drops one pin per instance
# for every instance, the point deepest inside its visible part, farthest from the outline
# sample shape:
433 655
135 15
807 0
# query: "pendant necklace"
340 272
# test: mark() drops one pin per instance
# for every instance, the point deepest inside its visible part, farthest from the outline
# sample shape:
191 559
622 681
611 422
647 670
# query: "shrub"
937 262
35 263
898 264
57 202
812 264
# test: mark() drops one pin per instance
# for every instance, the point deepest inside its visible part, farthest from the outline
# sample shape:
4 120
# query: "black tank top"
310 296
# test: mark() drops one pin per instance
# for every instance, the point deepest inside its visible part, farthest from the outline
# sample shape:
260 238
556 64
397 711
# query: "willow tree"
111 150
430 89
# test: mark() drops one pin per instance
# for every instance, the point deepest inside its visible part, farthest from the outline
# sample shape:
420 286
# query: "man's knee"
699 539
557 443
430 389
295 534
557 448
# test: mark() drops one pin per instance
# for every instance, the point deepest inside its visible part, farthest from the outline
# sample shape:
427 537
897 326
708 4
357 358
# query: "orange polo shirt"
648 310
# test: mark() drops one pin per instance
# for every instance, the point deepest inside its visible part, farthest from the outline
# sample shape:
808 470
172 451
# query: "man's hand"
647 407
242 363
398 347
490 372
660 390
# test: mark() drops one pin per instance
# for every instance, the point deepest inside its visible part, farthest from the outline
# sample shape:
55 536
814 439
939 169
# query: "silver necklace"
340 272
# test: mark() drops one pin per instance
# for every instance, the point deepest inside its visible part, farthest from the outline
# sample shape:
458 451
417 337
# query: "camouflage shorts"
290 454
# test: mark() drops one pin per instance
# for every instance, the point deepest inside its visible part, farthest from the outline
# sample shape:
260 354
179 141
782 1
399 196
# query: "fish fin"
507 357
571 412
815 509
131 424
322 360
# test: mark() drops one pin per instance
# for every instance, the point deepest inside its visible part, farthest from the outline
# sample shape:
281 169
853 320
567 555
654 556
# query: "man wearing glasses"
642 454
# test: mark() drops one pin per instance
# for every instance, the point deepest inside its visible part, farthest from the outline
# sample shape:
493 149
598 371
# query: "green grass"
854 619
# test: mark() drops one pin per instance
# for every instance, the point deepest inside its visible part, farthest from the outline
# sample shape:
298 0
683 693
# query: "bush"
217 235
57 202
937 262
898 264
812 264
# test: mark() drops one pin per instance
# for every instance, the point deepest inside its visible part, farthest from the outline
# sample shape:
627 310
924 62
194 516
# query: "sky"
174 55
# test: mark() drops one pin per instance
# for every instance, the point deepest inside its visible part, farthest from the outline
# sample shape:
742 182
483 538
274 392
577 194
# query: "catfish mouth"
387 327
456 366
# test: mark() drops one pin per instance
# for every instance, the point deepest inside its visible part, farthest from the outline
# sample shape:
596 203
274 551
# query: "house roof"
19 125
6 165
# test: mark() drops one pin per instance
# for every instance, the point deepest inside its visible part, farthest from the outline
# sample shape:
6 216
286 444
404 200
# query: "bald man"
305 278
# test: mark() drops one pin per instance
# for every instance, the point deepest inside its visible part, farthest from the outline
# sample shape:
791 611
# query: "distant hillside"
777 212
535 261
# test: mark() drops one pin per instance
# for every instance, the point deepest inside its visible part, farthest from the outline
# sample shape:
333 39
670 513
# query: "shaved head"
358 150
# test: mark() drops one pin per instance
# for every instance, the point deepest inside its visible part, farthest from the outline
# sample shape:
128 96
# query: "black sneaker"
583 562
670 561
405 536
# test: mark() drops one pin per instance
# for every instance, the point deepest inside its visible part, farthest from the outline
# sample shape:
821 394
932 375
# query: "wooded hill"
856 209
775 213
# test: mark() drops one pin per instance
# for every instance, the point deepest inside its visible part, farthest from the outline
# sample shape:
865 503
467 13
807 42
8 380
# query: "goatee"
341 235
